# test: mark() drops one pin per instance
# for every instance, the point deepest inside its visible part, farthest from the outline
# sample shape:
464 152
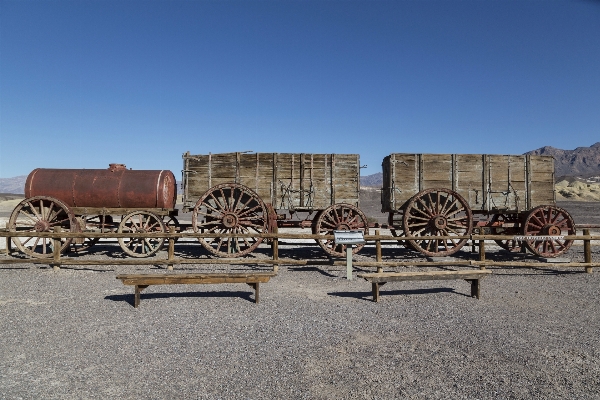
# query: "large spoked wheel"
41 214
230 208
548 221
141 222
507 224
437 212
339 217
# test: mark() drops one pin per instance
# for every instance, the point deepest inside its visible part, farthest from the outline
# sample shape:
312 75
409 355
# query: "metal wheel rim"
141 222
425 216
230 208
41 214
537 223
339 217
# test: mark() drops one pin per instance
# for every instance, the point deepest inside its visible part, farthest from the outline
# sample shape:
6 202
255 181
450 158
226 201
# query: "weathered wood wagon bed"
429 195
249 193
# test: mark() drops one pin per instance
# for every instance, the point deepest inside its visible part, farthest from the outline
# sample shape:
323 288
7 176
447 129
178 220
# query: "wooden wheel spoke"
428 215
412 225
25 223
448 228
59 222
250 210
539 222
563 223
218 206
455 211
431 204
420 218
28 215
211 207
443 208
455 203
535 225
52 212
32 208
427 211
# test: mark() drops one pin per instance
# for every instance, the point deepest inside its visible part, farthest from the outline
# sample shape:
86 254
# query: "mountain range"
582 162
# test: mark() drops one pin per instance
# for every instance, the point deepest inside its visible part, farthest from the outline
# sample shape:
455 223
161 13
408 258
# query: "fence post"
378 251
481 253
587 250
171 251
275 248
8 241
56 249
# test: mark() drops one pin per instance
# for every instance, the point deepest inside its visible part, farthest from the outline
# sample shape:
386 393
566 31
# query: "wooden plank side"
507 189
541 181
197 177
346 178
436 171
404 180
288 180
469 179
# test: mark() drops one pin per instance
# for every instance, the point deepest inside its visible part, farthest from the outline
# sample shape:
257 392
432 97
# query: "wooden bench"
142 281
381 278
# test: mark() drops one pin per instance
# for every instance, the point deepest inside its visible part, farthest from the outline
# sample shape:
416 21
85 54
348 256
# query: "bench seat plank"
423 275
175 279
142 281
379 279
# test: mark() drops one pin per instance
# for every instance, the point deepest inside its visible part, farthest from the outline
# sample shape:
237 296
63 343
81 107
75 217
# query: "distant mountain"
14 185
583 161
375 180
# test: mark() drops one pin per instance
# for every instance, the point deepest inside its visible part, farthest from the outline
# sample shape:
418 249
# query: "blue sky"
88 83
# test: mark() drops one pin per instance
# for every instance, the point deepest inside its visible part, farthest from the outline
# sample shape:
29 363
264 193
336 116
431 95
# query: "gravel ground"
74 333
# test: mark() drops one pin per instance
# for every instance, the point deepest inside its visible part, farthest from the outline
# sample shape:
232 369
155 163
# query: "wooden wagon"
429 195
249 193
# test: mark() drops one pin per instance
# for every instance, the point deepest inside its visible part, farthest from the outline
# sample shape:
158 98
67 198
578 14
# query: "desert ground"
74 333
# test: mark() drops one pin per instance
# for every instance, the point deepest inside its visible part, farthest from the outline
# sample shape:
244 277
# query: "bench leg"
256 287
475 290
138 290
375 286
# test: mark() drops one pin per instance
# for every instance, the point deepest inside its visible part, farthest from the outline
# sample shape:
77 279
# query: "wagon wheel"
339 217
41 214
95 223
437 212
230 208
499 220
141 222
548 221
170 221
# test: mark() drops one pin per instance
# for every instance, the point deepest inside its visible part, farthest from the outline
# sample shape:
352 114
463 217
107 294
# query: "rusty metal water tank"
115 187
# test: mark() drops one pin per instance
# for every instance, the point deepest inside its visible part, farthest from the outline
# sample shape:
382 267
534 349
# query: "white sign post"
349 239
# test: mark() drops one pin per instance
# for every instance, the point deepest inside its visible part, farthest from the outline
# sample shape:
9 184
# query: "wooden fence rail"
477 240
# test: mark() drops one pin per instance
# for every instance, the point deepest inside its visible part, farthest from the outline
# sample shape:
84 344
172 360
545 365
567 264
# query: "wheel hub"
343 227
440 222
42 226
230 220
552 230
